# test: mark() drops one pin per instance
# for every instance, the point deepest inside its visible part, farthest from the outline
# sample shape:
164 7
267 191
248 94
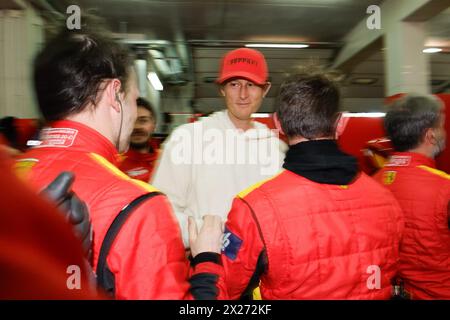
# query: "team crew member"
138 162
320 229
87 89
205 164
415 125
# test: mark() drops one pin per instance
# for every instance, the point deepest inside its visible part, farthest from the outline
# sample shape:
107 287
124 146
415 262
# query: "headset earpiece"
118 100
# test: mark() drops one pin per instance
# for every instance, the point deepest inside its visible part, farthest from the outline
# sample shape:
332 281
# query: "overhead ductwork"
169 67
169 59
141 72
163 58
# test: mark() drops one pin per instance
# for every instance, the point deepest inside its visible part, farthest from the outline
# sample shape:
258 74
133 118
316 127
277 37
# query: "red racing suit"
424 195
139 165
36 245
308 240
147 258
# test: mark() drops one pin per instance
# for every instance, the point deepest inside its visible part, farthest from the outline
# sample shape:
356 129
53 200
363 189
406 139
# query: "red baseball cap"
244 63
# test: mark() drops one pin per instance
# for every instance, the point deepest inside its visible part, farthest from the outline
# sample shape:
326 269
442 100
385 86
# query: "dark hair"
9 130
69 71
408 119
144 103
308 105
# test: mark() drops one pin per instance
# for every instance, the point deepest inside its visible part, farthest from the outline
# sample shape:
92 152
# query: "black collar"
321 161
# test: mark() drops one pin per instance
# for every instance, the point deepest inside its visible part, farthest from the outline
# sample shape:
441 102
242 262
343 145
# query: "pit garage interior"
376 50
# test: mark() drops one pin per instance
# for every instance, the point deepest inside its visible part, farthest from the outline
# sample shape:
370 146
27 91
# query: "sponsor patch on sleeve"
231 244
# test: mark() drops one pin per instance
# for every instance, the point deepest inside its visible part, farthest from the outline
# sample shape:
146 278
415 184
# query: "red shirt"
139 165
37 246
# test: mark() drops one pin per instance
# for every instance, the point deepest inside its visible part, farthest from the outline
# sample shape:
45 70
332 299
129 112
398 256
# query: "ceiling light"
276 45
154 80
431 50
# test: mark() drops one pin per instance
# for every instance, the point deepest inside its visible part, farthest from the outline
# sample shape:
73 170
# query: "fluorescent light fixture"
154 80
363 114
431 50
276 45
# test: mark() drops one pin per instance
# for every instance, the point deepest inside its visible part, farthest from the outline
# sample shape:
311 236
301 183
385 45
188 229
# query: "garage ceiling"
207 29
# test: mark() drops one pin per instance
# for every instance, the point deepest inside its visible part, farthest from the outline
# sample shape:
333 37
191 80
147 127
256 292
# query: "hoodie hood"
221 120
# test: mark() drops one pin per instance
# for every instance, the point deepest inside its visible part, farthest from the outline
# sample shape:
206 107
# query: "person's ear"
430 136
337 121
221 90
340 124
114 95
277 123
266 88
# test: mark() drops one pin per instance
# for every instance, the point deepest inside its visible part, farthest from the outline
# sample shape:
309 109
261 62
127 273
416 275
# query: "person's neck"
89 120
423 150
294 140
239 123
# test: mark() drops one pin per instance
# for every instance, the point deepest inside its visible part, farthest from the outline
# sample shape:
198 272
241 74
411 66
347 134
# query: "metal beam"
361 41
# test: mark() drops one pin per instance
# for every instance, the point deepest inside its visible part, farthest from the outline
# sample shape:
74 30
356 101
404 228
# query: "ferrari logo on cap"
246 60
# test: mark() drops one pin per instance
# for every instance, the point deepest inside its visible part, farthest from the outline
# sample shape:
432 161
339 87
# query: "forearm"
208 279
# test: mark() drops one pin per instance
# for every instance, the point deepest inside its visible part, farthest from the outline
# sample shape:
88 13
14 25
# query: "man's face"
129 110
243 97
143 128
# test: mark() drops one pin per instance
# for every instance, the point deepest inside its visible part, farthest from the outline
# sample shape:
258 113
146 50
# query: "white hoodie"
205 164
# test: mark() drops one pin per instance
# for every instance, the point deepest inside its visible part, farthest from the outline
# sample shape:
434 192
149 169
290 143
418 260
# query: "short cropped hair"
308 105
408 119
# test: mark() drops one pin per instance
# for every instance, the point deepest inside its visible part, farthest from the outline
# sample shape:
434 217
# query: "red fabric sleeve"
148 257
215 273
241 249
37 247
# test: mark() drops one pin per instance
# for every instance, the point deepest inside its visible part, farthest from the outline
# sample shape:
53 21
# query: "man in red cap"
205 164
